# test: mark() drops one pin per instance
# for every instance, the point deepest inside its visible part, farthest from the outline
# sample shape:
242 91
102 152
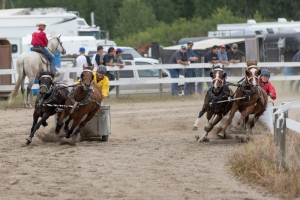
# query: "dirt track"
151 154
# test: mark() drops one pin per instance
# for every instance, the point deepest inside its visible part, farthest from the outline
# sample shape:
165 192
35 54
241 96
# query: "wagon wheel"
104 138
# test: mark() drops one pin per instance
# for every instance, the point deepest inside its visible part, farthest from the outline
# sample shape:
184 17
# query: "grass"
258 163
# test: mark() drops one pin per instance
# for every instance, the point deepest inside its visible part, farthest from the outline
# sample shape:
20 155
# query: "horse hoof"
74 136
67 136
45 124
195 128
234 129
66 130
29 139
221 135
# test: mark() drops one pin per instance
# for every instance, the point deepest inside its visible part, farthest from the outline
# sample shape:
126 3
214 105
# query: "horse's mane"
46 73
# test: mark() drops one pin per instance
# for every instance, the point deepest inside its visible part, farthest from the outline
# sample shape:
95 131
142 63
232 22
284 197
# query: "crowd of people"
217 55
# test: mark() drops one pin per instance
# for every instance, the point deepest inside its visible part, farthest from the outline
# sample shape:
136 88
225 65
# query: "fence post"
276 139
282 123
160 85
117 86
243 61
201 89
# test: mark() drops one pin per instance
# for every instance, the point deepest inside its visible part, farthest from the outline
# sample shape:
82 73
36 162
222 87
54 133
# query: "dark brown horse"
48 94
86 99
214 108
254 101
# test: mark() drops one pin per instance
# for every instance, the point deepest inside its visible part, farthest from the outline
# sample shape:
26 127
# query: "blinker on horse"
213 108
48 94
253 99
86 99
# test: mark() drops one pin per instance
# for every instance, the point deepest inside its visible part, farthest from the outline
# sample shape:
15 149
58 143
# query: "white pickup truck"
131 75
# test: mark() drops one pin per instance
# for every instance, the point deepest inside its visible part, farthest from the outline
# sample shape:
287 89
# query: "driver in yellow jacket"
101 80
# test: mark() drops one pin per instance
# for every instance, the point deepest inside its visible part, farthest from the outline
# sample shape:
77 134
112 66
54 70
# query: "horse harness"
249 93
85 101
215 99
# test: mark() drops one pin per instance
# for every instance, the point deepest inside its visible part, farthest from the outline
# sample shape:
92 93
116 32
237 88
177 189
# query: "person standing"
98 57
40 41
189 88
179 57
234 57
211 57
118 58
82 60
295 71
223 57
108 60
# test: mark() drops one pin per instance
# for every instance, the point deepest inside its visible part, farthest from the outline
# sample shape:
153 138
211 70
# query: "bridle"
86 78
217 78
48 90
252 75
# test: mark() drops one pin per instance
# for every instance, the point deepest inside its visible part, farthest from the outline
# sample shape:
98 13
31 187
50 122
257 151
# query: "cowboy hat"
42 23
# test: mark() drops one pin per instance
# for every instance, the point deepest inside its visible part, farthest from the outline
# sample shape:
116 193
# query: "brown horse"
48 94
215 110
86 99
143 49
254 99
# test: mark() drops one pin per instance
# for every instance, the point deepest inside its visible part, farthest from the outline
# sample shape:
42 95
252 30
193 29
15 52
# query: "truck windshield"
96 34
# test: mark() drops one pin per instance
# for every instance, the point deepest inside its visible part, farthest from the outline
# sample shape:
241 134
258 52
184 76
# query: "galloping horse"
48 94
254 101
30 64
214 110
86 99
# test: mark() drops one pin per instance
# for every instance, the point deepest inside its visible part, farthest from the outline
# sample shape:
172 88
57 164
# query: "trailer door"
5 61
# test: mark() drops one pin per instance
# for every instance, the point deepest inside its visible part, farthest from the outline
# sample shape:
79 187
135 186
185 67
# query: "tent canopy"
204 44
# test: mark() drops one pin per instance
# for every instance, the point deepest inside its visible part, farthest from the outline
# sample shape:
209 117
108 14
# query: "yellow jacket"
103 84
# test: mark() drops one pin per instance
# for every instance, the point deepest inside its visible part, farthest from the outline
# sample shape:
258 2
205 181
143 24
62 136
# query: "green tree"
135 16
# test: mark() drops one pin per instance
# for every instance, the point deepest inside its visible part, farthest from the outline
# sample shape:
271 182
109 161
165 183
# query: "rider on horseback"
40 41
265 84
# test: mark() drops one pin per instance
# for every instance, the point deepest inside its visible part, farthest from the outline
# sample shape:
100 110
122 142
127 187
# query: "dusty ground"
151 154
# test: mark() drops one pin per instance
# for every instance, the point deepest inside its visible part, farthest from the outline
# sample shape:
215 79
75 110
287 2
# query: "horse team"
249 98
85 98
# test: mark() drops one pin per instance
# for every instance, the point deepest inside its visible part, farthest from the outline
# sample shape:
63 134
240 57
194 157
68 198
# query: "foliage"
165 34
135 16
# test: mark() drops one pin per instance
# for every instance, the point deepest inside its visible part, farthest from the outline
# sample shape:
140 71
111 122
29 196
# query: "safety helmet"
101 69
265 72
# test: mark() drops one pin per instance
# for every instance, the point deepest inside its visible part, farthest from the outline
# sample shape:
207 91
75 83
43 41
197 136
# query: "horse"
143 49
86 99
49 93
215 110
251 99
30 64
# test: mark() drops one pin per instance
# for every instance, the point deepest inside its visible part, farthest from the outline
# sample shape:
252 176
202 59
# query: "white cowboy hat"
42 23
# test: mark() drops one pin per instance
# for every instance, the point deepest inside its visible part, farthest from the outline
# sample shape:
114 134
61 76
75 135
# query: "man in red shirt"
39 40
265 84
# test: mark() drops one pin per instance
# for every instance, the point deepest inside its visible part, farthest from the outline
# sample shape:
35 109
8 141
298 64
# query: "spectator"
82 60
118 58
233 56
223 57
295 71
98 57
179 57
108 60
211 57
189 88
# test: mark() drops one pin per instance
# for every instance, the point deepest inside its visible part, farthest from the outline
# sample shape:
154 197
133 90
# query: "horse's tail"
21 74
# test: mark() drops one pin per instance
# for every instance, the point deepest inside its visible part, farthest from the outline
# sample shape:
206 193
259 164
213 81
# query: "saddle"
42 56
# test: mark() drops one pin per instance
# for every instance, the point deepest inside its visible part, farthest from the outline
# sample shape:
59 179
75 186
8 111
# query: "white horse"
30 64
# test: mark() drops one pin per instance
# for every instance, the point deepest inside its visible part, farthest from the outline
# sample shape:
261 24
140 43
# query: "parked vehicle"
129 75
